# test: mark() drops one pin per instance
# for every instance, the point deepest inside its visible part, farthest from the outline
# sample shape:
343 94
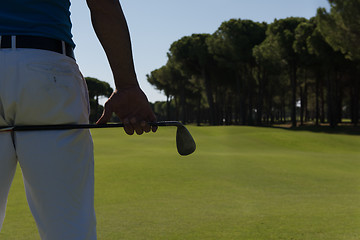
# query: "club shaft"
22 128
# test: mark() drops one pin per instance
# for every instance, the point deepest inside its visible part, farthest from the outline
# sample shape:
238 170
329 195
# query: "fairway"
241 183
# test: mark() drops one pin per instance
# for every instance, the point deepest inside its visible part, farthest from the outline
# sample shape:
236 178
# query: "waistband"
36 42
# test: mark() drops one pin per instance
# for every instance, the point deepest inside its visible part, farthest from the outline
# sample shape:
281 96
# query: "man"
40 83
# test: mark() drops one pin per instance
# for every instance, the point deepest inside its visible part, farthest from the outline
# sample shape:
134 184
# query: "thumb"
106 115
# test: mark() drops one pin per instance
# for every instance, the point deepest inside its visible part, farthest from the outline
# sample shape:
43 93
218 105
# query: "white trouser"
42 87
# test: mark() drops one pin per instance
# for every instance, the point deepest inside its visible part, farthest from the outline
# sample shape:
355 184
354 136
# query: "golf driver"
184 141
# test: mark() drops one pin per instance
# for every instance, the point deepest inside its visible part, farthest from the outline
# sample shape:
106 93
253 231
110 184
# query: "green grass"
241 183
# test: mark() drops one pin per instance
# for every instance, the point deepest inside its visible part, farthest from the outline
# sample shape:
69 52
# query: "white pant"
43 87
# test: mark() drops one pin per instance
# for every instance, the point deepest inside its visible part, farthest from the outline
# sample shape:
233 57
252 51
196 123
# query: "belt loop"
63 47
13 42
0 40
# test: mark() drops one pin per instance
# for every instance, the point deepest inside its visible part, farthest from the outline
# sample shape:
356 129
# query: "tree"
268 75
283 31
162 80
340 29
325 65
248 69
341 26
172 81
191 56
232 46
303 32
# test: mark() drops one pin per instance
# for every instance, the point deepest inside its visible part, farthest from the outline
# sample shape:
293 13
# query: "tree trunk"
168 107
183 104
293 92
317 107
306 111
301 106
330 101
355 91
209 96
260 100
322 110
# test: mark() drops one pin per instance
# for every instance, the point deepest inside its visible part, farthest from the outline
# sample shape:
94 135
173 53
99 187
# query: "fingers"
153 119
133 125
145 126
137 126
128 128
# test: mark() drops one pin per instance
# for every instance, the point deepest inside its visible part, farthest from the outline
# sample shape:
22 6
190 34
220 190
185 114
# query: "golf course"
242 183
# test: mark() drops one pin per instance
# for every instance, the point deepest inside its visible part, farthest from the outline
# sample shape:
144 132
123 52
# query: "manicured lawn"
241 183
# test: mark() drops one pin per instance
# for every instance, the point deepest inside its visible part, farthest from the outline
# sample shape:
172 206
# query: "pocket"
51 93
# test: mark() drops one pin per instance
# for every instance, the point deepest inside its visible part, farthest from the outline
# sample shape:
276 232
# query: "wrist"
126 81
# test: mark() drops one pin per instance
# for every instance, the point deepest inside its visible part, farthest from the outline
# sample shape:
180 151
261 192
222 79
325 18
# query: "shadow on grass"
341 129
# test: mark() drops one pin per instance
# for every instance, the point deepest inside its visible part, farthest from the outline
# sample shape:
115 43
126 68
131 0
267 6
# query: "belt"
35 42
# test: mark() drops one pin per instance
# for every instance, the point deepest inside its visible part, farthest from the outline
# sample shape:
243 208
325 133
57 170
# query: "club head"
184 141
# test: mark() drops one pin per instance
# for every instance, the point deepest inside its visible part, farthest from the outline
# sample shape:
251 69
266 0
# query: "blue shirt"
46 18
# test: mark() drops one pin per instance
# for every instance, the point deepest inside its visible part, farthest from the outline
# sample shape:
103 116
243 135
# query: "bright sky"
155 24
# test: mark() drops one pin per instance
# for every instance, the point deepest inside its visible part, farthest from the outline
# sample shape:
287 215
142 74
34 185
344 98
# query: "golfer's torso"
47 18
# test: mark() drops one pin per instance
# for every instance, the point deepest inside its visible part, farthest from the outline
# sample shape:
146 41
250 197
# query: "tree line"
291 70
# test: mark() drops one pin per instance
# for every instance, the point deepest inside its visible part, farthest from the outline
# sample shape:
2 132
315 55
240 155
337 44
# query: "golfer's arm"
112 31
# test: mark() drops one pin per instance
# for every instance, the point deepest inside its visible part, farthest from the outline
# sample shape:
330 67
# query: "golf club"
184 141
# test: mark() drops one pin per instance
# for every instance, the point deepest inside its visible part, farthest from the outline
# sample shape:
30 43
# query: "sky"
155 24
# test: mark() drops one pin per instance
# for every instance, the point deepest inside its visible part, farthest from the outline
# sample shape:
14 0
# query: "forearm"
111 29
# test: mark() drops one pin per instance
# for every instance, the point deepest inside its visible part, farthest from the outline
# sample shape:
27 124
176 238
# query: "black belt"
35 42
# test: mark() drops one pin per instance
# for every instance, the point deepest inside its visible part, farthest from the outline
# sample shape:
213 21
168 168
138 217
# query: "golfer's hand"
132 107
